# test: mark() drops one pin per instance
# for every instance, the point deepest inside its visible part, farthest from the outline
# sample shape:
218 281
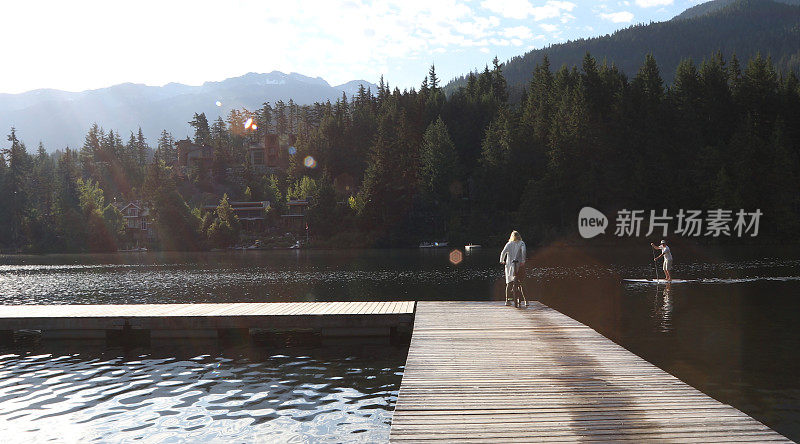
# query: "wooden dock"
208 320
483 372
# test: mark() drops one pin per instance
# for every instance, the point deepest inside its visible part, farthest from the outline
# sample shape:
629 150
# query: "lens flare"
248 123
292 150
456 257
218 103
309 162
254 127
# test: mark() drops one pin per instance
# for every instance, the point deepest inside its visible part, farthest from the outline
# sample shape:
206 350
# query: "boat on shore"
132 250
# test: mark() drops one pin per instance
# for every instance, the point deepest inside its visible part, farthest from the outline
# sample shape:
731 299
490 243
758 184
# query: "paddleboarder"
666 254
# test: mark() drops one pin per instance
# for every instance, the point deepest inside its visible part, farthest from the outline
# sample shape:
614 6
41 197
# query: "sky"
78 45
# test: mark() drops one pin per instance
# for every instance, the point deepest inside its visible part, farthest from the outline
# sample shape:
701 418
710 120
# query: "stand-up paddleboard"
660 281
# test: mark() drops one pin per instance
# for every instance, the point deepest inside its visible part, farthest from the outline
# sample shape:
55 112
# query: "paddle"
655 268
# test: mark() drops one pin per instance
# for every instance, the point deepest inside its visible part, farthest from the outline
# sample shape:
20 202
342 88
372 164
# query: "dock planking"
483 372
360 316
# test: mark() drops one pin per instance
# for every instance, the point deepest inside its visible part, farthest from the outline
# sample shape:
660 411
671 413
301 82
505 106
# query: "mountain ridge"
713 6
60 118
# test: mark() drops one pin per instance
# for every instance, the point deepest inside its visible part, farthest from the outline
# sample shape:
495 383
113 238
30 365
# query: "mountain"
741 27
61 118
709 7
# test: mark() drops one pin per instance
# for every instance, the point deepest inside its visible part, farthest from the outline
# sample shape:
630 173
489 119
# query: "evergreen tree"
389 183
220 141
499 84
265 118
71 230
439 165
165 151
16 191
281 120
176 225
224 231
202 133
324 217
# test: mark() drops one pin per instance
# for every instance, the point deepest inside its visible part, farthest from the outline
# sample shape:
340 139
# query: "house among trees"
295 218
251 215
139 227
191 155
271 154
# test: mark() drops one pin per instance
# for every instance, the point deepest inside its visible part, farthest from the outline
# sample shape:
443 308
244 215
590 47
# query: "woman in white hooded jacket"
513 256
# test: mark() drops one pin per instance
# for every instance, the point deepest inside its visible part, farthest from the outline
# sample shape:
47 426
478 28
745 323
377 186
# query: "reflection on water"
731 331
198 393
258 276
662 308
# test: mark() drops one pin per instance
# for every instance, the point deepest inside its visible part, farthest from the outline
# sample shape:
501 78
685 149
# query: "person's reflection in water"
664 312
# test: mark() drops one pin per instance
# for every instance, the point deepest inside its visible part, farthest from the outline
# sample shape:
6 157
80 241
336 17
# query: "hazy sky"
77 45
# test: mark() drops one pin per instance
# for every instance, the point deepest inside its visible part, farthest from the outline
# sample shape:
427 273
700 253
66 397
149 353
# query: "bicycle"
516 288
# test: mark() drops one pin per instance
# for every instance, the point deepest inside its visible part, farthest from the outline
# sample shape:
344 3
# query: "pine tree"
281 120
499 84
324 217
264 118
202 133
224 231
220 142
71 227
165 150
142 149
433 80
439 165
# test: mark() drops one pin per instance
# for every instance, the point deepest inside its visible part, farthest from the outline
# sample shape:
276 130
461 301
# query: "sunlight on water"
254 277
232 396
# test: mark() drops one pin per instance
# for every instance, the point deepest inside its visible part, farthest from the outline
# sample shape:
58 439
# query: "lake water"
731 333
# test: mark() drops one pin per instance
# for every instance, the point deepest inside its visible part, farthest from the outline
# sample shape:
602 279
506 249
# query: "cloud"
549 27
521 9
517 9
551 9
651 3
519 32
499 42
618 17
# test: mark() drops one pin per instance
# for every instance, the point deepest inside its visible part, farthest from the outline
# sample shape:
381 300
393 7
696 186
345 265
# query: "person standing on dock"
667 254
513 257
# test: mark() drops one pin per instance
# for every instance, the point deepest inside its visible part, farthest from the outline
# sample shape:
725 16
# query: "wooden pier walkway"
483 372
204 320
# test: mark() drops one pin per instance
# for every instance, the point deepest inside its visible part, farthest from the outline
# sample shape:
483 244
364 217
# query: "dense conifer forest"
742 27
393 168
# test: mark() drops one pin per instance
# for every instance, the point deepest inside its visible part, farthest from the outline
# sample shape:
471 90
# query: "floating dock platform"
207 320
484 372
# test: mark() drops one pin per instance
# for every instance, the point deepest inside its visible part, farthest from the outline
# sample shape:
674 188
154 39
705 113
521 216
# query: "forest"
468 166
742 27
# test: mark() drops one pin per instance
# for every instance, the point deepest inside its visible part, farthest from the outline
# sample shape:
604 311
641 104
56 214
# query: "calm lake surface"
731 332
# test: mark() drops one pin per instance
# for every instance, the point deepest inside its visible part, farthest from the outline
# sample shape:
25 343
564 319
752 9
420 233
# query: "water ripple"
248 397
